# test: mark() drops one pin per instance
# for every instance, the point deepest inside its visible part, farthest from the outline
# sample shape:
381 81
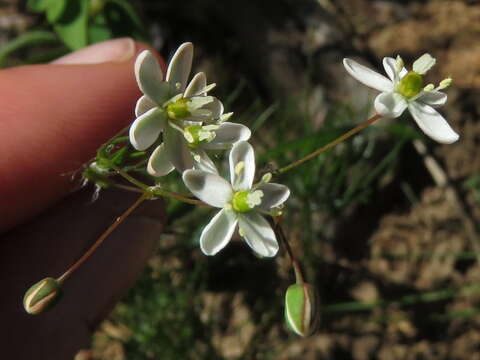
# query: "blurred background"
385 225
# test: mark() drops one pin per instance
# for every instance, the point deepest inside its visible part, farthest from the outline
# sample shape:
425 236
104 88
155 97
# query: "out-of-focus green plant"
73 24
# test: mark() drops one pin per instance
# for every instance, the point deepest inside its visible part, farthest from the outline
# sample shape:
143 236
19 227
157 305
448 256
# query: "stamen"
429 87
254 198
445 83
399 64
266 178
225 117
239 168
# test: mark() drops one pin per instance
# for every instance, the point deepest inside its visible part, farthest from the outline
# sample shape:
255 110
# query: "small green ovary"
193 136
410 85
178 109
240 201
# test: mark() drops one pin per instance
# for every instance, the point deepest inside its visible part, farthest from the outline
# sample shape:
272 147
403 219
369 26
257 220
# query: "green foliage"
73 24
163 317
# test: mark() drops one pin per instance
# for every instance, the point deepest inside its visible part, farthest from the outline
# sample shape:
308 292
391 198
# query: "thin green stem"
102 237
157 191
324 148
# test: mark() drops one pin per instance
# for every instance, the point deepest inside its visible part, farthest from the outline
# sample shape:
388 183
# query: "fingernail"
117 50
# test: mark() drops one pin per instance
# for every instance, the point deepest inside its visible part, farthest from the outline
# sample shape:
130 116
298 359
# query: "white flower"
240 201
406 89
169 106
199 138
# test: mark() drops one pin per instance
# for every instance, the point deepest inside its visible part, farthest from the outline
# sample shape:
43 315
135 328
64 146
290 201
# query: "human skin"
53 117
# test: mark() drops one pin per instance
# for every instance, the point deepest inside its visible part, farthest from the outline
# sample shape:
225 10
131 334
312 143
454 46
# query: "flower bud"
41 296
301 308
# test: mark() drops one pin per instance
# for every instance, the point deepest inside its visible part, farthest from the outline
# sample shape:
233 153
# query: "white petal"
204 162
158 163
150 77
196 85
143 105
228 134
146 128
218 232
368 77
208 187
432 123
258 233
390 104
242 166
273 195
177 150
433 98
179 68
389 64
216 107
423 64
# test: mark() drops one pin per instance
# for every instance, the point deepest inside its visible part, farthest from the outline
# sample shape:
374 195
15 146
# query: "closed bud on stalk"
41 296
301 309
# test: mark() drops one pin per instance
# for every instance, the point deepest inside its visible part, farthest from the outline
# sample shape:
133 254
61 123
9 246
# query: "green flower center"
240 201
246 200
194 135
178 109
410 85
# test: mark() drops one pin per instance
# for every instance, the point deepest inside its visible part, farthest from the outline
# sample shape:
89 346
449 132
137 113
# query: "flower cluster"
184 123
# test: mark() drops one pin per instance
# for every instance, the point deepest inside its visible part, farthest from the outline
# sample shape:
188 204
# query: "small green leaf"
26 39
38 5
55 10
72 26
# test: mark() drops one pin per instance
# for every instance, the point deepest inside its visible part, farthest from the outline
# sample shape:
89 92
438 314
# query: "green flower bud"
41 296
301 308
178 109
410 85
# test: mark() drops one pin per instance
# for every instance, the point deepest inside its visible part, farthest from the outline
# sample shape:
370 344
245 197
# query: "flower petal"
433 98
258 233
228 134
424 63
150 77
389 64
218 232
368 77
177 150
158 163
216 107
146 128
208 187
203 162
196 85
390 104
273 195
242 166
179 68
432 123
144 103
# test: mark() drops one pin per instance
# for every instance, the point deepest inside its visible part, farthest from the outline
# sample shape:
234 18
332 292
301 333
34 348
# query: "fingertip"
52 119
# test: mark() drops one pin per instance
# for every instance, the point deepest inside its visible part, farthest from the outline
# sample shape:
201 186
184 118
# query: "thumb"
53 118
